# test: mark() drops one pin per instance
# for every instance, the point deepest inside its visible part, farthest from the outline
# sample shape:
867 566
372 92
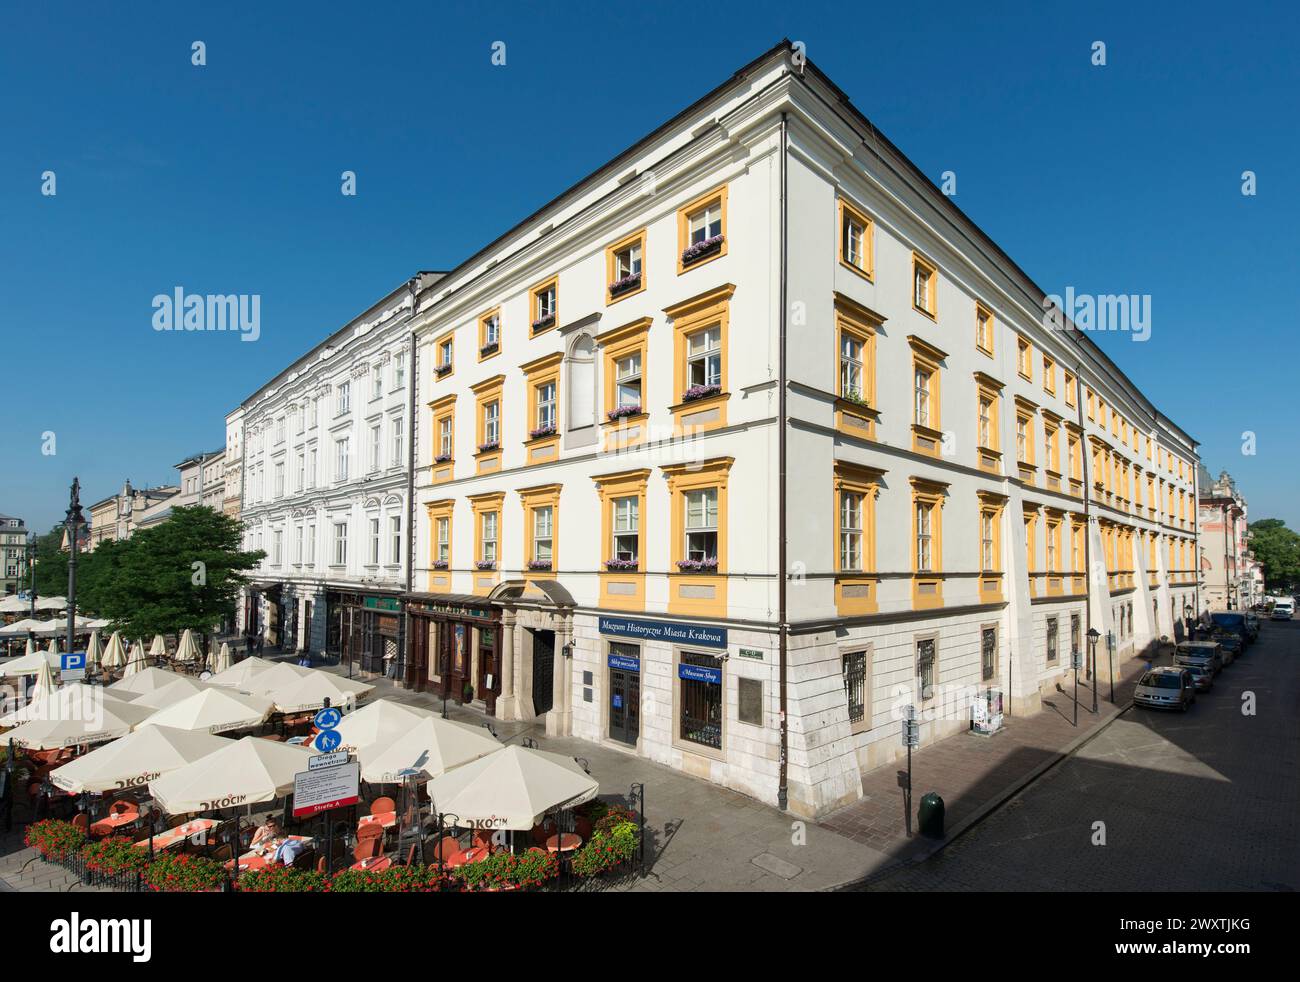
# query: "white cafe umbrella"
215 710
158 647
12 604
187 651
44 682
53 647
22 628
75 719
135 760
277 676
135 662
239 675
169 694
222 660
29 664
114 655
145 680
48 705
51 603
379 723
94 651
311 691
513 788
432 746
246 772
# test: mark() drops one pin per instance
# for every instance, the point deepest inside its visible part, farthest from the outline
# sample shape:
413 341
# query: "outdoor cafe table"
387 819
174 837
255 861
564 842
468 856
111 823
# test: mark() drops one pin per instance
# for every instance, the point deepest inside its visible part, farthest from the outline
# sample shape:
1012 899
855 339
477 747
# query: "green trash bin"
929 817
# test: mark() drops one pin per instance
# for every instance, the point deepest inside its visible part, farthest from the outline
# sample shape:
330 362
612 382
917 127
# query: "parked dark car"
1234 621
1230 642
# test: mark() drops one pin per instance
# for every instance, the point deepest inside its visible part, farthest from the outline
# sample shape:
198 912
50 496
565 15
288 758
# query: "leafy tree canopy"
1278 549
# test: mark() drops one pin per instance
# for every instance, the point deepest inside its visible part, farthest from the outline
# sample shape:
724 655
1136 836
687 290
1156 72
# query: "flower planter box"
701 250
696 392
542 323
619 287
489 349
623 412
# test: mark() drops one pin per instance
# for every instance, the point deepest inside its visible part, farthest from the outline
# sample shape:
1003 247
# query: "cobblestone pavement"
1203 801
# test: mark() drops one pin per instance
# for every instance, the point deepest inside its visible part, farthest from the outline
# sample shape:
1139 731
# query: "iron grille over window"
855 684
701 702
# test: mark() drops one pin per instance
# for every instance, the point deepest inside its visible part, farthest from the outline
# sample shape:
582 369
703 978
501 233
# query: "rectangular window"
302 473
854 667
397 441
344 401
311 468
341 453
855 240
545 395
1024 358
700 698
399 371
277 547
297 545
704 358
377 382
986 422
1070 386
922 379
444 539
850 531
627 382
491 332
446 351
545 300
852 351
1049 375
489 537
376 438
701 230
444 437
492 423
1074 634
311 545
1052 652
988 550
279 479
627 522
543 519
924 280
623 267
395 539
702 525
924 538
340 543
925 666
312 412
374 542
983 329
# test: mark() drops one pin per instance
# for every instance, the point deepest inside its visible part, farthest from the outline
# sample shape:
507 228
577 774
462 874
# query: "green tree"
1278 549
183 573
51 564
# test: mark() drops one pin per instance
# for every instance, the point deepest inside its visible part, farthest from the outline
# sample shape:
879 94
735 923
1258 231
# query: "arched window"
581 367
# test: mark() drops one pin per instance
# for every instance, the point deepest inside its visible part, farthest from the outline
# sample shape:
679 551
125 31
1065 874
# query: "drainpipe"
1196 529
782 792
1087 521
413 288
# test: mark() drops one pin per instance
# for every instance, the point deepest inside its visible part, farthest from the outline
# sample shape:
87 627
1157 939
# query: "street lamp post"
1187 617
73 522
1093 636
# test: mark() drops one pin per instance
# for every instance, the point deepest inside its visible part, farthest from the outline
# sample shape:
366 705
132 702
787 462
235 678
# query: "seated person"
289 850
267 837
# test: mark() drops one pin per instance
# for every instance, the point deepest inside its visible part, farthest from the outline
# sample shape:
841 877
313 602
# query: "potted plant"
612 844
113 856
184 873
281 879
468 693
54 839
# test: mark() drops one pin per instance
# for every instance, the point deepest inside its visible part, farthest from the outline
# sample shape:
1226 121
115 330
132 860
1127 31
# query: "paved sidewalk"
702 837
974 774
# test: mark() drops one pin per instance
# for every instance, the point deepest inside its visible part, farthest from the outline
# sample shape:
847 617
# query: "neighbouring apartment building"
202 481
1232 578
740 445
13 555
324 470
118 516
233 480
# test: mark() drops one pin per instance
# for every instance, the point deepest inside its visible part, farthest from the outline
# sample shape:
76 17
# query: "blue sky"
225 179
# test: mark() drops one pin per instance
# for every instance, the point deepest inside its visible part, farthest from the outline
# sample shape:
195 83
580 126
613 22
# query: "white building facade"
324 464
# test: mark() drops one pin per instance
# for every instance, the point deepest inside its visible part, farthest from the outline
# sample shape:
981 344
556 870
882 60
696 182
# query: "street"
1202 801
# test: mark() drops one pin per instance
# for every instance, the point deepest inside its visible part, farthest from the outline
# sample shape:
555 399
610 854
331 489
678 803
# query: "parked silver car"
1166 687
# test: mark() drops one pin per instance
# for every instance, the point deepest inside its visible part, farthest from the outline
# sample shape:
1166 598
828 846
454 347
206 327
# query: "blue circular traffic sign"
326 741
328 718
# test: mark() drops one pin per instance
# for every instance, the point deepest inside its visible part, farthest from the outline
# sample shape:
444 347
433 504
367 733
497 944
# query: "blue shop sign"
696 635
699 673
623 663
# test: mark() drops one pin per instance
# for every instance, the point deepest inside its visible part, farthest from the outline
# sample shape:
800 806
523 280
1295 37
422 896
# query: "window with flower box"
701 230
624 353
541 528
855 405
625 274
440 525
489 334
443 412
856 240
487 529
700 360
444 349
542 380
488 423
622 502
544 306
698 492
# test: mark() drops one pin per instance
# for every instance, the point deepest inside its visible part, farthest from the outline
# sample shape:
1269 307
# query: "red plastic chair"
382 806
371 830
447 849
367 849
